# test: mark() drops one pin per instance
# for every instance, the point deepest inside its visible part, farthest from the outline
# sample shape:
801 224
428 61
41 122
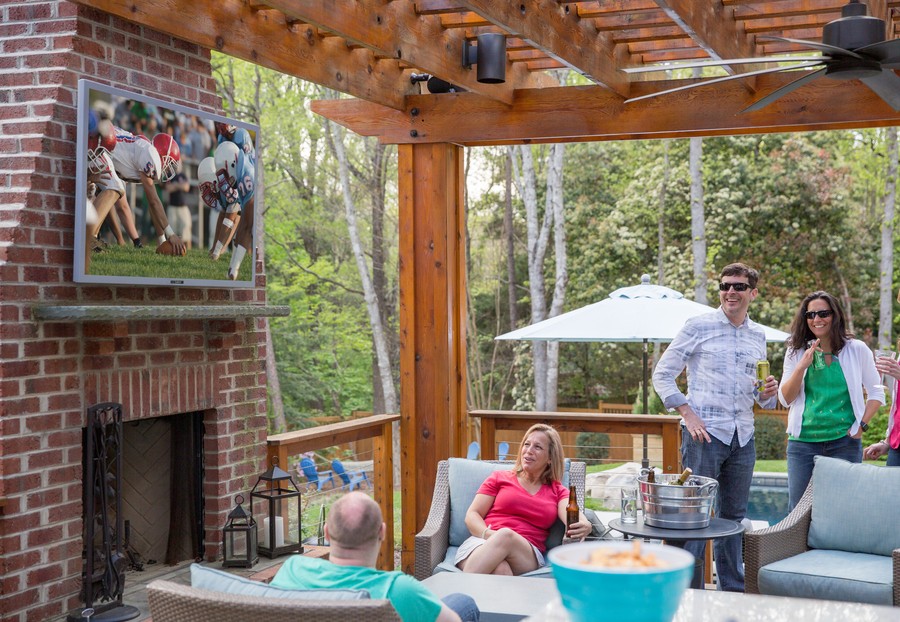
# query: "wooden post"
383 478
432 324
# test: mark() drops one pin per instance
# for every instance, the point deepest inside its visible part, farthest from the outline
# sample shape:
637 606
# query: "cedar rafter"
714 29
565 114
393 30
266 38
561 34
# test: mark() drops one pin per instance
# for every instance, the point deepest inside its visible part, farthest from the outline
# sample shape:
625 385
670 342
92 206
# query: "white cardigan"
858 366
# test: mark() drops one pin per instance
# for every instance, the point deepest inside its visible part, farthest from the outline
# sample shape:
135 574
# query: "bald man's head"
354 522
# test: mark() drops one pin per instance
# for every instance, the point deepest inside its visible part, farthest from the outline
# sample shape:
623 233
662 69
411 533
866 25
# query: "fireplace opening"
143 498
162 488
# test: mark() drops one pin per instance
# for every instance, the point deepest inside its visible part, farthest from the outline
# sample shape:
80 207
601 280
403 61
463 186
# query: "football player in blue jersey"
230 192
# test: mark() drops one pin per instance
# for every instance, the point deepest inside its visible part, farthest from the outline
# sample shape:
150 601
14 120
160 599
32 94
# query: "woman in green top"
825 371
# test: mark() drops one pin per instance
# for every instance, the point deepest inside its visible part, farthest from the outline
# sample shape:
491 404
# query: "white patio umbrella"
641 313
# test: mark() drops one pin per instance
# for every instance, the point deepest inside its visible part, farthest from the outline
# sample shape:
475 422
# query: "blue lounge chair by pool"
474 451
502 450
313 477
351 479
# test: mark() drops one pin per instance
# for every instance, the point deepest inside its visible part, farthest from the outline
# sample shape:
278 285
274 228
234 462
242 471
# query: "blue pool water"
768 497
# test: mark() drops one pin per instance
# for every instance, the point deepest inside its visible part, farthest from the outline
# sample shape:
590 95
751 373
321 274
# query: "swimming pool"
768 497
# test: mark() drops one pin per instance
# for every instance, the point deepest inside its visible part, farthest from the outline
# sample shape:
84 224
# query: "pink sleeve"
491 485
561 492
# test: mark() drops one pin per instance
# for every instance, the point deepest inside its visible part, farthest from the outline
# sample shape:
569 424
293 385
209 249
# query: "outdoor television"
161 199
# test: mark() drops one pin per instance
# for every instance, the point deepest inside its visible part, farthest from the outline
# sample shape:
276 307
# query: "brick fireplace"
55 364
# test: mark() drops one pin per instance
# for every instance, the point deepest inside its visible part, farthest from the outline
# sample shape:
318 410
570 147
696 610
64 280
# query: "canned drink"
762 372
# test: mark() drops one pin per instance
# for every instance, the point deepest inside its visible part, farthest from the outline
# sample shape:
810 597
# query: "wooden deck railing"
666 426
376 427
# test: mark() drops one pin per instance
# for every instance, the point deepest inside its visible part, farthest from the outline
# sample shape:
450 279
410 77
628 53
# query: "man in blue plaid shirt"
720 351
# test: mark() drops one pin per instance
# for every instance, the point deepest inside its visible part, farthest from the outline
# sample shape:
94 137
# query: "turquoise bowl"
596 594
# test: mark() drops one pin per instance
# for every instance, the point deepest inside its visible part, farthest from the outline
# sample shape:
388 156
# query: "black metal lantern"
279 530
239 538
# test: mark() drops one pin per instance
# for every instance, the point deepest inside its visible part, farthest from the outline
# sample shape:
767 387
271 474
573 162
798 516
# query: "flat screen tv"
164 193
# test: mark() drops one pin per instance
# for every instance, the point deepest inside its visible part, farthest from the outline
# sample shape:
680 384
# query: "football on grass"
166 248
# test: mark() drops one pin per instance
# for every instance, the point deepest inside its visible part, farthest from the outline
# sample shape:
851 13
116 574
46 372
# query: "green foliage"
877 427
592 446
654 403
770 438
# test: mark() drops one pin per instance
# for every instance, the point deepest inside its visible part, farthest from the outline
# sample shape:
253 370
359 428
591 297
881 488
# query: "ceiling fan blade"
787 88
886 52
722 79
727 61
815 45
887 86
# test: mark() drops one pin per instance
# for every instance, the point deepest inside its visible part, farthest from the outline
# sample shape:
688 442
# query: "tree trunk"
509 236
546 355
698 221
379 337
660 218
886 298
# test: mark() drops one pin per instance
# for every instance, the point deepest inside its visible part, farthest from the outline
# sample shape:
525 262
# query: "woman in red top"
511 515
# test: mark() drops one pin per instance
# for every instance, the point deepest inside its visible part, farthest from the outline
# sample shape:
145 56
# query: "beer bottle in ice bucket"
572 507
651 475
683 477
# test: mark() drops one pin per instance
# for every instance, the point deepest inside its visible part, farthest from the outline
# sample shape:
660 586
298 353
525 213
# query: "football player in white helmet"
138 160
228 215
235 177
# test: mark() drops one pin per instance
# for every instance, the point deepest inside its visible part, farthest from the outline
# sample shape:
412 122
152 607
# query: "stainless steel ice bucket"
677 507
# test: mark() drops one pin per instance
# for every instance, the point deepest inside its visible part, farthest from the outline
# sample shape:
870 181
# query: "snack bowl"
611 593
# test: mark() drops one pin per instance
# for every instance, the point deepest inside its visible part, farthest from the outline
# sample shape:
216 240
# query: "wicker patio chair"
433 541
857 504
174 602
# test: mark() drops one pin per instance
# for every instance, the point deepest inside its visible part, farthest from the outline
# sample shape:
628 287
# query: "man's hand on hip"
693 423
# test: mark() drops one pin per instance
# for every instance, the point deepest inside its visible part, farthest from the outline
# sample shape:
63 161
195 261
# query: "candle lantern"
239 538
279 530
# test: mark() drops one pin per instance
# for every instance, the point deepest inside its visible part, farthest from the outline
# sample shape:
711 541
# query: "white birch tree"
886 298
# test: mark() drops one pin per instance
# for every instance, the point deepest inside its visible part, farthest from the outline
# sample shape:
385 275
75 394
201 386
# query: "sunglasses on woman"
822 314
738 287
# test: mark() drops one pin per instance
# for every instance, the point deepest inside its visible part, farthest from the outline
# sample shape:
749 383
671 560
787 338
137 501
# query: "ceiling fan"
852 48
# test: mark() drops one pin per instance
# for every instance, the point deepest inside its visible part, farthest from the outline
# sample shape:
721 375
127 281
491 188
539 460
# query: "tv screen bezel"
85 86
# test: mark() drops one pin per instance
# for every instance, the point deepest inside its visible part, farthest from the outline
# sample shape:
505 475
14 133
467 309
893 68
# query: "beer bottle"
683 477
572 507
651 475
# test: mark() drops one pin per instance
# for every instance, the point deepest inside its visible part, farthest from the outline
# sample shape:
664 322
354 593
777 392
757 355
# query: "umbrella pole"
645 462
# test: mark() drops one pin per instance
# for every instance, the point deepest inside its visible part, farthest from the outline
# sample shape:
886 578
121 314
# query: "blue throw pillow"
854 507
465 478
207 578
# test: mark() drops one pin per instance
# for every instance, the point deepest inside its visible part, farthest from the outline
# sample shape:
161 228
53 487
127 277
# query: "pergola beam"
593 113
714 29
561 34
269 39
393 30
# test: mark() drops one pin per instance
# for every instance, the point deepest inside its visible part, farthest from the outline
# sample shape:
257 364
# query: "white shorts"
473 542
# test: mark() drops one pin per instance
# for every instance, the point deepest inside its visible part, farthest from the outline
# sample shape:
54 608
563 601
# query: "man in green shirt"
355 529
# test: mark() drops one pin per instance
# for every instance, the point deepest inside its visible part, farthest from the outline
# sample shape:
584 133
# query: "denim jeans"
732 466
893 457
800 461
464 606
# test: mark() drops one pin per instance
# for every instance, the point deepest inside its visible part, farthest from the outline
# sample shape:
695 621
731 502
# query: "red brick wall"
50 372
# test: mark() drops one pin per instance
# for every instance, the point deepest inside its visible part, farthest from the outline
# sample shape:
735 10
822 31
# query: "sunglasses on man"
738 287
822 314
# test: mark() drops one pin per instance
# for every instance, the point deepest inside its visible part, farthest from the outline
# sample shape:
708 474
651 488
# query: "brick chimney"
52 371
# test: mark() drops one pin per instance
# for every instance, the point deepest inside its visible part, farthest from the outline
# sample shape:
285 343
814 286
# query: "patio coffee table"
718 528
500 598
715 606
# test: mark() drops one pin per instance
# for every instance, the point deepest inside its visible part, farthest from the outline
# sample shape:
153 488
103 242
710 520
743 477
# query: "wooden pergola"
369 50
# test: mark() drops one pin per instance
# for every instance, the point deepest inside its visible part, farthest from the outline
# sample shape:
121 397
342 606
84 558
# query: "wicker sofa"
840 542
223 597
445 529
